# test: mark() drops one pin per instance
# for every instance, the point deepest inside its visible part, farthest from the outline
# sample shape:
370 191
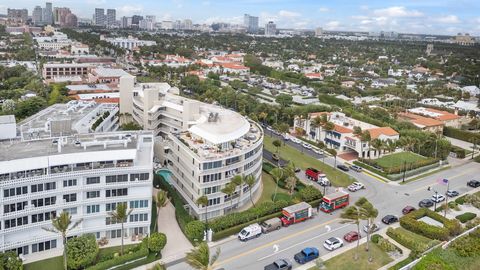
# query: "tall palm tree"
203 201
291 180
277 175
62 225
161 200
199 257
239 181
317 123
229 190
368 213
250 181
377 146
120 215
353 215
391 145
366 137
333 152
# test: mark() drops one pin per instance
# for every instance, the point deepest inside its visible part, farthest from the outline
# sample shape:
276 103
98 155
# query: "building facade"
86 175
270 29
250 23
130 43
17 15
37 15
50 71
111 17
99 18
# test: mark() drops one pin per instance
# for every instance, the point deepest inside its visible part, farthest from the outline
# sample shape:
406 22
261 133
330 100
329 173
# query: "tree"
277 144
277 175
250 181
156 242
203 201
161 200
377 146
317 123
369 213
10 261
284 100
291 180
365 137
329 126
352 215
120 215
81 251
333 152
239 181
199 257
229 190
61 225
390 145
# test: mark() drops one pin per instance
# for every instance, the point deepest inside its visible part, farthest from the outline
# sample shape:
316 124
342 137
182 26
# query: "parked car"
452 193
281 264
375 227
319 152
306 145
389 219
473 183
306 255
407 209
249 232
297 170
356 168
343 167
438 198
271 225
275 157
295 140
352 236
425 203
333 243
356 186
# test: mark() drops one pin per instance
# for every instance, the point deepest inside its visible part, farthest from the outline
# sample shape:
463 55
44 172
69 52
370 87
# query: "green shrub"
236 229
194 230
386 245
460 200
411 223
309 193
117 260
267 167
81 251
406 241
397 169
466 217
10 261
472 223
460 152
433 261
156 242
468 245
375 238
460 134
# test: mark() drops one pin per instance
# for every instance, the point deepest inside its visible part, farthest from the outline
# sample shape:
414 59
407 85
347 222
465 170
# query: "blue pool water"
166 175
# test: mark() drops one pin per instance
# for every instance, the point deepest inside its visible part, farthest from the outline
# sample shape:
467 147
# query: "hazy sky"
411 16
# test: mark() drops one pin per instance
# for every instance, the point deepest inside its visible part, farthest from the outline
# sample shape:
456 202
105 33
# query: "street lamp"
435 201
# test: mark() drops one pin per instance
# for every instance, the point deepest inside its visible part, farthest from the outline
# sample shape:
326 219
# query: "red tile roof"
341 129
376 132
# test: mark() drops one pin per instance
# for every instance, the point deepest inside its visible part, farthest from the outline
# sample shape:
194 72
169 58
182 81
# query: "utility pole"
446 199
435 201
474 146
404 170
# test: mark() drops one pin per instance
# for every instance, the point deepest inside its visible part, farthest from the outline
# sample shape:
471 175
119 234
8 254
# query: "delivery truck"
334 201
296 213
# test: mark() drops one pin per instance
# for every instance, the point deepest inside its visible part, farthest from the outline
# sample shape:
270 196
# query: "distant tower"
429 49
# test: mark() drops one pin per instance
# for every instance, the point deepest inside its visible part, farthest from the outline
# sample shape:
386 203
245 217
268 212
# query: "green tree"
10 261
353 215
277 144
368 213
284 100
239 181
62 225
120 215
156 242
203 201
81 251
161 200
199 257
250 181
277 175
291 178
229 190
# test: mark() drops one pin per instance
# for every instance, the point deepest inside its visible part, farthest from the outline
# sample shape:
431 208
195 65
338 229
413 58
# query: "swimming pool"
166 174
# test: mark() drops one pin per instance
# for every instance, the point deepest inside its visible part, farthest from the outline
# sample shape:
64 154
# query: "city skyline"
429 17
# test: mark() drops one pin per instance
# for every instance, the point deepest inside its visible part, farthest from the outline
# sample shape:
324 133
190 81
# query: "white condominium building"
203 145
130 43
87 175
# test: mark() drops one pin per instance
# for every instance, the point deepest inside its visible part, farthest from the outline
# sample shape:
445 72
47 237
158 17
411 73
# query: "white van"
249 232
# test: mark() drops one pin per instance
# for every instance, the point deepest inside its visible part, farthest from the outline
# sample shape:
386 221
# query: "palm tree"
120 215
377 145
352 215
239 181
369 213
61 225
317 123
229 190
366 137
203 201
291 180
277 175
277 144
329 126
391 145
333 152
199 257
250 181
161 200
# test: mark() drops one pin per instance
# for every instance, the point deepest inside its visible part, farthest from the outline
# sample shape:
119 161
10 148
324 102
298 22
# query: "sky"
406 16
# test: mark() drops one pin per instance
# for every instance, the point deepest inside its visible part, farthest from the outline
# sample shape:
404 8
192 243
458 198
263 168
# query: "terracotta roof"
376 132
445 116
315 114
341 129
234 66
420 120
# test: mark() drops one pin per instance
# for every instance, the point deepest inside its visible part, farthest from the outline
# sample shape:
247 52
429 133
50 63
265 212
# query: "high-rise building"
48 14
60 15
37 15
17 15
71 20
251 23
318 31
187 24
126 22
99 17
111 17
270 29
148 23
136 19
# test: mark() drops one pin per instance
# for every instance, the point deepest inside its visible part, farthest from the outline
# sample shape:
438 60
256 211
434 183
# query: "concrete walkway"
460 143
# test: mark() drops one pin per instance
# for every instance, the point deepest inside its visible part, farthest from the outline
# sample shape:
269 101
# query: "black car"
473 183
343 168
389 219
425 203
281 264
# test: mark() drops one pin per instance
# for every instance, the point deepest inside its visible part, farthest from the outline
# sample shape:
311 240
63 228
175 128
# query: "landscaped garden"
269 190
304 161
398 159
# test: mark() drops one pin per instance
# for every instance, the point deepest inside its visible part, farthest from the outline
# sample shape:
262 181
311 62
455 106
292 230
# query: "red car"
352 236
408 209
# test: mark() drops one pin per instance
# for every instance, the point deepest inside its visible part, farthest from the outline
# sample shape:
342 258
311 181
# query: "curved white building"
203 145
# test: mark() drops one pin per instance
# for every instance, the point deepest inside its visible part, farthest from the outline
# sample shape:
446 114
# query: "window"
69 183
138 217
139 204
112 206
212 177
36 188
211 190
50 186
71 211
212 165
116 178
93 209
213 201
9 192
93 180
93 194
116 192
232 160
70 197
110 221
115 233
42 246
7 208
12 223
139 176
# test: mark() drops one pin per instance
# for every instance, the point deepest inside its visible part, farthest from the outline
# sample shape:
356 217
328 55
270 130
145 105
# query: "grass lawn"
345 260
269 189
303 161
56 263
416 237
398 159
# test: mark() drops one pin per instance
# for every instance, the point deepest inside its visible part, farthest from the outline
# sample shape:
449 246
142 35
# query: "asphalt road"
388 198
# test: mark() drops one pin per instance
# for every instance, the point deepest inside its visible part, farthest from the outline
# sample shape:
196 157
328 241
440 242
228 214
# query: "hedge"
411 223
460 200
399 169
135 255
416 247
459 152
460 134
370 168
463 218
375 238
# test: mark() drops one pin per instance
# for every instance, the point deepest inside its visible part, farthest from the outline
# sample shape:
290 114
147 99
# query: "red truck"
296 213
334 201
312 174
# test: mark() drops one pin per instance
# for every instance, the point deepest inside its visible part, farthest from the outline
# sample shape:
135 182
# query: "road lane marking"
274 242
436 183
374 176
308 240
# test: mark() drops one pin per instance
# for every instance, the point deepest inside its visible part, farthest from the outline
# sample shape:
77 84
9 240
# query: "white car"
356 186
438 198
306 145
295 140
323 180
375 227
333 243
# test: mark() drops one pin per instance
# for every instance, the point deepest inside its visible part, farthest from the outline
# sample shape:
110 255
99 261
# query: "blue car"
306 255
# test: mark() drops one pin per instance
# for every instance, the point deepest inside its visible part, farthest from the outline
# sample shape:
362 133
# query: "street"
388 198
